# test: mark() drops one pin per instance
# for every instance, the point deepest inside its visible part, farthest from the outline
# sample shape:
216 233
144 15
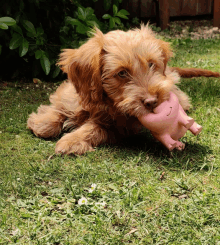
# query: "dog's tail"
195 72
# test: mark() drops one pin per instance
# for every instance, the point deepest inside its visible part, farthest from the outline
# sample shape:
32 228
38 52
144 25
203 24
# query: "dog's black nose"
150 103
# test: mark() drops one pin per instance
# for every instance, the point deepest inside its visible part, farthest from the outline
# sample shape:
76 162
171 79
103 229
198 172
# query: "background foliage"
31 39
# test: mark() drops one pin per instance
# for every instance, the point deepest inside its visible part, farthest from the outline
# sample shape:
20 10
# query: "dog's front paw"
68 146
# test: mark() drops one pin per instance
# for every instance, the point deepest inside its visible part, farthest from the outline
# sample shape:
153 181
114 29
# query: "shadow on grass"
192 157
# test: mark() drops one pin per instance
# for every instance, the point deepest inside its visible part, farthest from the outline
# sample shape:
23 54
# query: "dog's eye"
150 64
123 74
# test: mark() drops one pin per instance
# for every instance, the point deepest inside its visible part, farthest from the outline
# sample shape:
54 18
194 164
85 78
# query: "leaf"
111 22
81 28
45 63
86 14
56 72
64 29
0 49
106 16
122 14
72 21
29 27
81 17
8 21
16 41
17 29
38 54
117 20
115 10
40 31
89 12
3 26
40 40
92 23
24 47
82 14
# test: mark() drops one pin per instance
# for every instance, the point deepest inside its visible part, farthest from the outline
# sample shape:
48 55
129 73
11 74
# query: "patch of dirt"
193 29
41 86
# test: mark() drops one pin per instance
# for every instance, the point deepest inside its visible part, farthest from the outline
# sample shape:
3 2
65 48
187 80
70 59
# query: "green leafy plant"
28 36
84 21
5 22
34 43
115 20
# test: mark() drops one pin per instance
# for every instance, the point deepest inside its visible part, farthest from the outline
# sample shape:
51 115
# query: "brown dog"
112 80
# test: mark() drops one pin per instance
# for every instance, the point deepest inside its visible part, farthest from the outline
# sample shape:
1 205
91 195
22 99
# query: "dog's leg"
46 123
82 139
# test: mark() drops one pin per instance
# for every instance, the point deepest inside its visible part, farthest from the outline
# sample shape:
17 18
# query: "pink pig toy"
169 122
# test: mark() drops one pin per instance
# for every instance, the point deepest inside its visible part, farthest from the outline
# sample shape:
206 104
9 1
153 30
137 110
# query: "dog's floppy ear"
84 69
166 52
163 46
66 58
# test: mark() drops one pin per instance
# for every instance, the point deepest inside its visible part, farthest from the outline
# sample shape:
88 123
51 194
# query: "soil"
193 29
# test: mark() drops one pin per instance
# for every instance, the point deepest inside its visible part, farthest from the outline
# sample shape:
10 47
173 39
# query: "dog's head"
129 68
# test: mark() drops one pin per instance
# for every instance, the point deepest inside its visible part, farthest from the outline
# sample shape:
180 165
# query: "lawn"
142 194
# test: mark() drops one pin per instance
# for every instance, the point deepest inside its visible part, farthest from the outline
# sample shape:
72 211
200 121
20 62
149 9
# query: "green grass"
144 194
